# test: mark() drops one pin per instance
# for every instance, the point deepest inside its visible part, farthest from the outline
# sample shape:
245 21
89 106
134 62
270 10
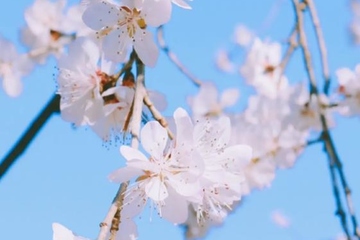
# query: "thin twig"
321 42
173 58
53 106
104 225
328 143
339 206
157 115
330 148
292 44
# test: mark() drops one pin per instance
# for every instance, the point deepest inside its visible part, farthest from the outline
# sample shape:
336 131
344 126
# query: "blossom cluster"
200 169
116 27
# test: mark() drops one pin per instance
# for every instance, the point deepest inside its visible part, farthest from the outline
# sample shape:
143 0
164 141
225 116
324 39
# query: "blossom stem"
321 43
292 45
126 67
173 58
157 115
19 148
113 217
333 157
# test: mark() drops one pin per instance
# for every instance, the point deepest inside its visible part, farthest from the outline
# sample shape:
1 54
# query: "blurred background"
62 177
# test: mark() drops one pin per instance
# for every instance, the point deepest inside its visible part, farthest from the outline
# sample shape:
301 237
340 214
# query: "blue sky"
62 177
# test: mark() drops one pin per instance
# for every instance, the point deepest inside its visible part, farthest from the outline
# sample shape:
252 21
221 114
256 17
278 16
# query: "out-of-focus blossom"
280 219
349 89
48 29
13 66
223 61
207 103
89 93
243 36
261 68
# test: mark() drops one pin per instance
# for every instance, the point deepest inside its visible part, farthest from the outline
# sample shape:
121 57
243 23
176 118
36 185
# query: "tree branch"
157 115
321 42
53 106
329 146
292 44
173 58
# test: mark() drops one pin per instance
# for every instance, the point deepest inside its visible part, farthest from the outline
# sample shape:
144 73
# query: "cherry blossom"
89 95
349 89
200 168
261 68
125 25
206 102
224 165
167 177
48 29
13 66
223 61
243 36
305 109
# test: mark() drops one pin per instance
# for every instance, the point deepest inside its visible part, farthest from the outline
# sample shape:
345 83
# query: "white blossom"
125 25
167 177
13 66
305 109
349 89
243 36
208 103
48 30
89 95
261 68
223 61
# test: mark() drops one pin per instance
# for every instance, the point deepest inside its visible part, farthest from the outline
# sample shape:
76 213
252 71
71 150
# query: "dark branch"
19 148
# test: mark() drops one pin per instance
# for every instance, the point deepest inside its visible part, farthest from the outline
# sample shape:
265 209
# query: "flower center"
107 82
132 20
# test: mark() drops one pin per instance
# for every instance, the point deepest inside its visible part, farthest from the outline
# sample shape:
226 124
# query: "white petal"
156 189
116 45
206 99
99 15
124 174
186 189
182 4
229 97
134 201
127 230
156 12
130 153
61 233
12 85
146 48
184 126
240 155
175 209
224 131
153 139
